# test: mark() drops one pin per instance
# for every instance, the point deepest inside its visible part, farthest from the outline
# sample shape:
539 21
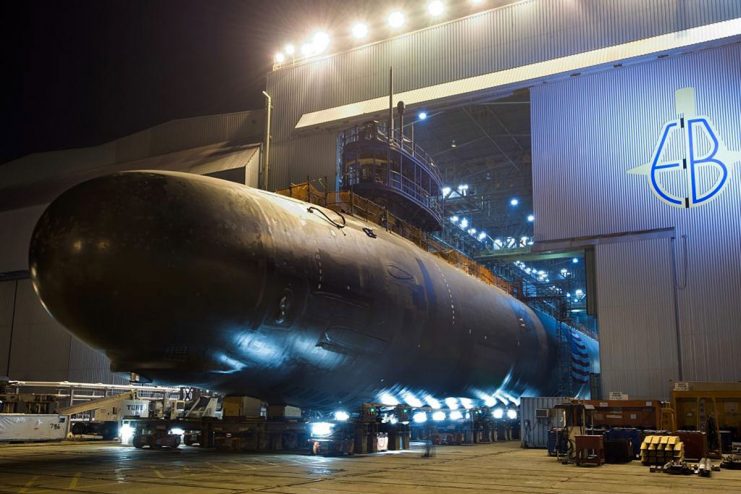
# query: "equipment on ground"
732 461
660 450
21 427
589 450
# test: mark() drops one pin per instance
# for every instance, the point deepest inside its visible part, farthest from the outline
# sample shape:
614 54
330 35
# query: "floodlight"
435 8
359 30
320 41
396 19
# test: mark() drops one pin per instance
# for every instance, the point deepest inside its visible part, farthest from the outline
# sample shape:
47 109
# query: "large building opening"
465 169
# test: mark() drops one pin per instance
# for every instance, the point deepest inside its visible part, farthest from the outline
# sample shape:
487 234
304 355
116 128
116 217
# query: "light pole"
266 157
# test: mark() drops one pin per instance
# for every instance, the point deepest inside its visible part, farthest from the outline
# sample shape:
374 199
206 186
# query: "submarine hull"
192 280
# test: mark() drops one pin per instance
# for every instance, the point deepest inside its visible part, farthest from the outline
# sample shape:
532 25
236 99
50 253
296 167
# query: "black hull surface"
193 280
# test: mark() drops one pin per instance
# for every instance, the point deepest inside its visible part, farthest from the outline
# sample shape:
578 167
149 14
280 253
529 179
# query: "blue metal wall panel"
637 325
587 132
515 35
534 431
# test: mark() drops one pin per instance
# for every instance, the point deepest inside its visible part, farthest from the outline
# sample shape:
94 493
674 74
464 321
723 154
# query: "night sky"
82 72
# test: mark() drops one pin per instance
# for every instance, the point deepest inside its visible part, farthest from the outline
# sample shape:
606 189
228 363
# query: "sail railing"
367 210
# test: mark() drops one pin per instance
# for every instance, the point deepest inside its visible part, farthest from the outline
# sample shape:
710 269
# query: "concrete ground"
500 467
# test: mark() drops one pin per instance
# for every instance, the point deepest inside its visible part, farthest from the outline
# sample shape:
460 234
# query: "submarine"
191 280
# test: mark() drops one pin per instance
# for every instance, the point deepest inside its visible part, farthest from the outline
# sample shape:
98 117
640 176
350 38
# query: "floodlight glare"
435 8
575 260
280 57
341 415
445 191
359 30
514 202
320 41
420 417
498 413
456 415
321 429
432 401
388 399
126 432
289 49
454 219
482 235
530 218
422 115
511 414
307 49
438 416
396 19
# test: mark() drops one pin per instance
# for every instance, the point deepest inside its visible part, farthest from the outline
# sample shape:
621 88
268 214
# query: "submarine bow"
193 280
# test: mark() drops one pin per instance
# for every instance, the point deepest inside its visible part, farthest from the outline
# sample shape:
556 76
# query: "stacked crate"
660 450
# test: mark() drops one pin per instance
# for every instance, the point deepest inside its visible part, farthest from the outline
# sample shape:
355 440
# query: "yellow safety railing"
360 207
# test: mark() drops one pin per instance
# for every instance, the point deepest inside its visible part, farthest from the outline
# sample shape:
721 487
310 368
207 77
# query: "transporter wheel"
110 431
79 428
139 441
172 441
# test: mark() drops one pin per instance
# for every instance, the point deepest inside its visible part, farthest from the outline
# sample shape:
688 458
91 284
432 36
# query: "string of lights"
464 223
361 31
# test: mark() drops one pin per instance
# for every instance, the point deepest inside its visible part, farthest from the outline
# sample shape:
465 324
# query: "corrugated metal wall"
15 232
512 36
587 132
7 303
247 127
637 324
41 348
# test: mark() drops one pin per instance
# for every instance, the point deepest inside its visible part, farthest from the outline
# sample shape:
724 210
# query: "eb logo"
690 165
